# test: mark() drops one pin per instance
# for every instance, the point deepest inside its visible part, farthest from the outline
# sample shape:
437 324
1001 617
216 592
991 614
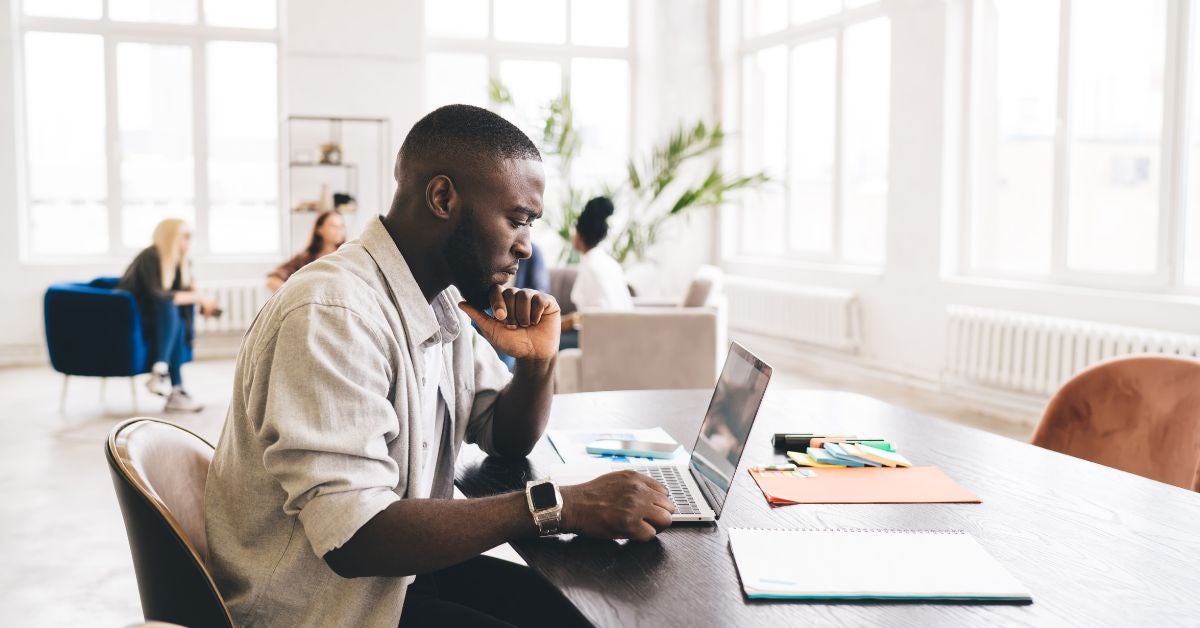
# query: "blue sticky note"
841 454
824 456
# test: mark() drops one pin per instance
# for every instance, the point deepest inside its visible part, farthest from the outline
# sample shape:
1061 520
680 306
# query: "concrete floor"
66 560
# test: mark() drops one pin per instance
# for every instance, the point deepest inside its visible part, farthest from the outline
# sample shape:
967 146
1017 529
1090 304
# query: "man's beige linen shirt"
324 431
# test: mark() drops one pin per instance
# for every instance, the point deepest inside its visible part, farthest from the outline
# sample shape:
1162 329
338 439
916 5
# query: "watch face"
543 496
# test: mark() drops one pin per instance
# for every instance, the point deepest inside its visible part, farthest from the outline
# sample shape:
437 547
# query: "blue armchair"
95 330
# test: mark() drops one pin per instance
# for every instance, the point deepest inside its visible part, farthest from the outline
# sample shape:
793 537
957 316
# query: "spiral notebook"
865 564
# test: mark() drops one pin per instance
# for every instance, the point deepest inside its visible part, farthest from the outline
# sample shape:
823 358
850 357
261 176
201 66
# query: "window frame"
194 36
1168 277
498 50
834 27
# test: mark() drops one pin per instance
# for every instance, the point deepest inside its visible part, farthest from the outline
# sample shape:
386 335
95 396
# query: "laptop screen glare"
726 428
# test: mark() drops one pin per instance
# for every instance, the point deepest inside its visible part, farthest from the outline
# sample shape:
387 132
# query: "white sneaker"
160 380
180 401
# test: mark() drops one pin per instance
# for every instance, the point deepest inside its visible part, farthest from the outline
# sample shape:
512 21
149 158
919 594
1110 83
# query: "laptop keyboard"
669 477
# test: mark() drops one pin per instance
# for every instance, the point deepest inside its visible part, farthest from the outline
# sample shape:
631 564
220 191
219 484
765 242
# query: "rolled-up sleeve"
491 377
327 422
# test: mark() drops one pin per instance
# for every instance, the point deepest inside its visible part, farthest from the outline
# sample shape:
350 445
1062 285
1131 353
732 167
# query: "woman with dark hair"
328 233
600 282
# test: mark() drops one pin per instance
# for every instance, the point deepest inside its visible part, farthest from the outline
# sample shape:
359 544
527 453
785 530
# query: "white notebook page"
869 564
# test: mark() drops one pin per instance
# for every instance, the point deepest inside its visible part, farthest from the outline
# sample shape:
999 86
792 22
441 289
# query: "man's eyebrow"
529 213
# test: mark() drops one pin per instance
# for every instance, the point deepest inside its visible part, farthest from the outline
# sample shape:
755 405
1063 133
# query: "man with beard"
359 381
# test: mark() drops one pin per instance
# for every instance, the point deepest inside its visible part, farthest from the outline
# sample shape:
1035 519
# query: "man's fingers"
521 305
510 308
499 306
487 324
664 502
654 484
643 532
660 518
539 304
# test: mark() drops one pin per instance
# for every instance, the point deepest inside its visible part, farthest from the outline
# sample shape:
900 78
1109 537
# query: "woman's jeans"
170 336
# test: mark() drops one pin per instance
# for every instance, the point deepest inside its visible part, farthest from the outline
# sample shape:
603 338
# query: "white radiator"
818 316
239 300
1037 354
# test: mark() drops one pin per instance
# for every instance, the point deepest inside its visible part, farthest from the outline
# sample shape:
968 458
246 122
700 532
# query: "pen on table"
799 442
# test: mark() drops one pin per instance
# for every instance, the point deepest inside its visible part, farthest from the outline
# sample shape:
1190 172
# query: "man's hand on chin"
525 323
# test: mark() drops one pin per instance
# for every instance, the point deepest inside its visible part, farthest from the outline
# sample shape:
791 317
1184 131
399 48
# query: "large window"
814 84
1079 143
540 50
136 111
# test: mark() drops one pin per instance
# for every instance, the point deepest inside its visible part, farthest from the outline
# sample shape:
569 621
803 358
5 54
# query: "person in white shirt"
600 282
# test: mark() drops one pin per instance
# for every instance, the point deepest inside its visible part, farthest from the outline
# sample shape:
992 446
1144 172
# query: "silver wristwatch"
545 504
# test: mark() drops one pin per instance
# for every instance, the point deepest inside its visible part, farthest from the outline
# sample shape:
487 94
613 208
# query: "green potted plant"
670 182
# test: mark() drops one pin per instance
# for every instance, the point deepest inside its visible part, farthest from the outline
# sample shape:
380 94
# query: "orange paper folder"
870 485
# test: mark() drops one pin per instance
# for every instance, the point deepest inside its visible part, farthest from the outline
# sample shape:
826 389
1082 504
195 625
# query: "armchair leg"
133 393
62 399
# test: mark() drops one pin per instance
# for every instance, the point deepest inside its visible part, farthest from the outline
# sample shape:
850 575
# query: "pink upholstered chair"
1140 414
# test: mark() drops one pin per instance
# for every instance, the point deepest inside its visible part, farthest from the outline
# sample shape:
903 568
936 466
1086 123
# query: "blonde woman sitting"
160 280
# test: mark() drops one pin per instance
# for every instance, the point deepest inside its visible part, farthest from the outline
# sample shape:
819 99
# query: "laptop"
700 487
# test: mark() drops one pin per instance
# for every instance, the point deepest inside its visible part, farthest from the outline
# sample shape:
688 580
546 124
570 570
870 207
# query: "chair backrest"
1140 414
94 330
649 348
562 280
159 471
705 286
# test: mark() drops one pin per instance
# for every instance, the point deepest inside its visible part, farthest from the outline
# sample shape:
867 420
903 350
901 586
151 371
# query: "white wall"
356 58
904 302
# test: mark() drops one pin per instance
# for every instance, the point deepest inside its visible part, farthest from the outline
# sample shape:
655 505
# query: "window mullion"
838 147
1062 139
200 200
491 34
1175 150
786 175
969 178
113 195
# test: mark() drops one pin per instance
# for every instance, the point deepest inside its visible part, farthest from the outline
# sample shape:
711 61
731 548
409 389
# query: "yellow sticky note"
806 460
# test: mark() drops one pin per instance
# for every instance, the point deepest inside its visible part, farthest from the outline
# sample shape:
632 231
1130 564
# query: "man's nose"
523 248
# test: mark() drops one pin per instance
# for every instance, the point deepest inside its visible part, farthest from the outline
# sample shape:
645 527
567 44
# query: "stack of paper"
870 564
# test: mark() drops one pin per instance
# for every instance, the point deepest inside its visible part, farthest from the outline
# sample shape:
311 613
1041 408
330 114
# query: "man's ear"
441 197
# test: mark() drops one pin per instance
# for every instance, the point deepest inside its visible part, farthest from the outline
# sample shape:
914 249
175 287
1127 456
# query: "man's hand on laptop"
525 324
620 505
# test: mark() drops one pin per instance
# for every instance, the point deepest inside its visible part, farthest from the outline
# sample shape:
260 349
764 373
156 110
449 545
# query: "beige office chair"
1140 414
159 470
658 344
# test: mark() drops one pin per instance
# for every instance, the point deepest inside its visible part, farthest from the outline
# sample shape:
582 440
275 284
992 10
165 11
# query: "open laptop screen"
727 423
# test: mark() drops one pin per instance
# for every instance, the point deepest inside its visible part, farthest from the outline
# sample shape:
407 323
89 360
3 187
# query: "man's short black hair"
467 133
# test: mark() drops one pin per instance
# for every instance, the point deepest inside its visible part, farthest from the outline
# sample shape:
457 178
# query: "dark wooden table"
1096 546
